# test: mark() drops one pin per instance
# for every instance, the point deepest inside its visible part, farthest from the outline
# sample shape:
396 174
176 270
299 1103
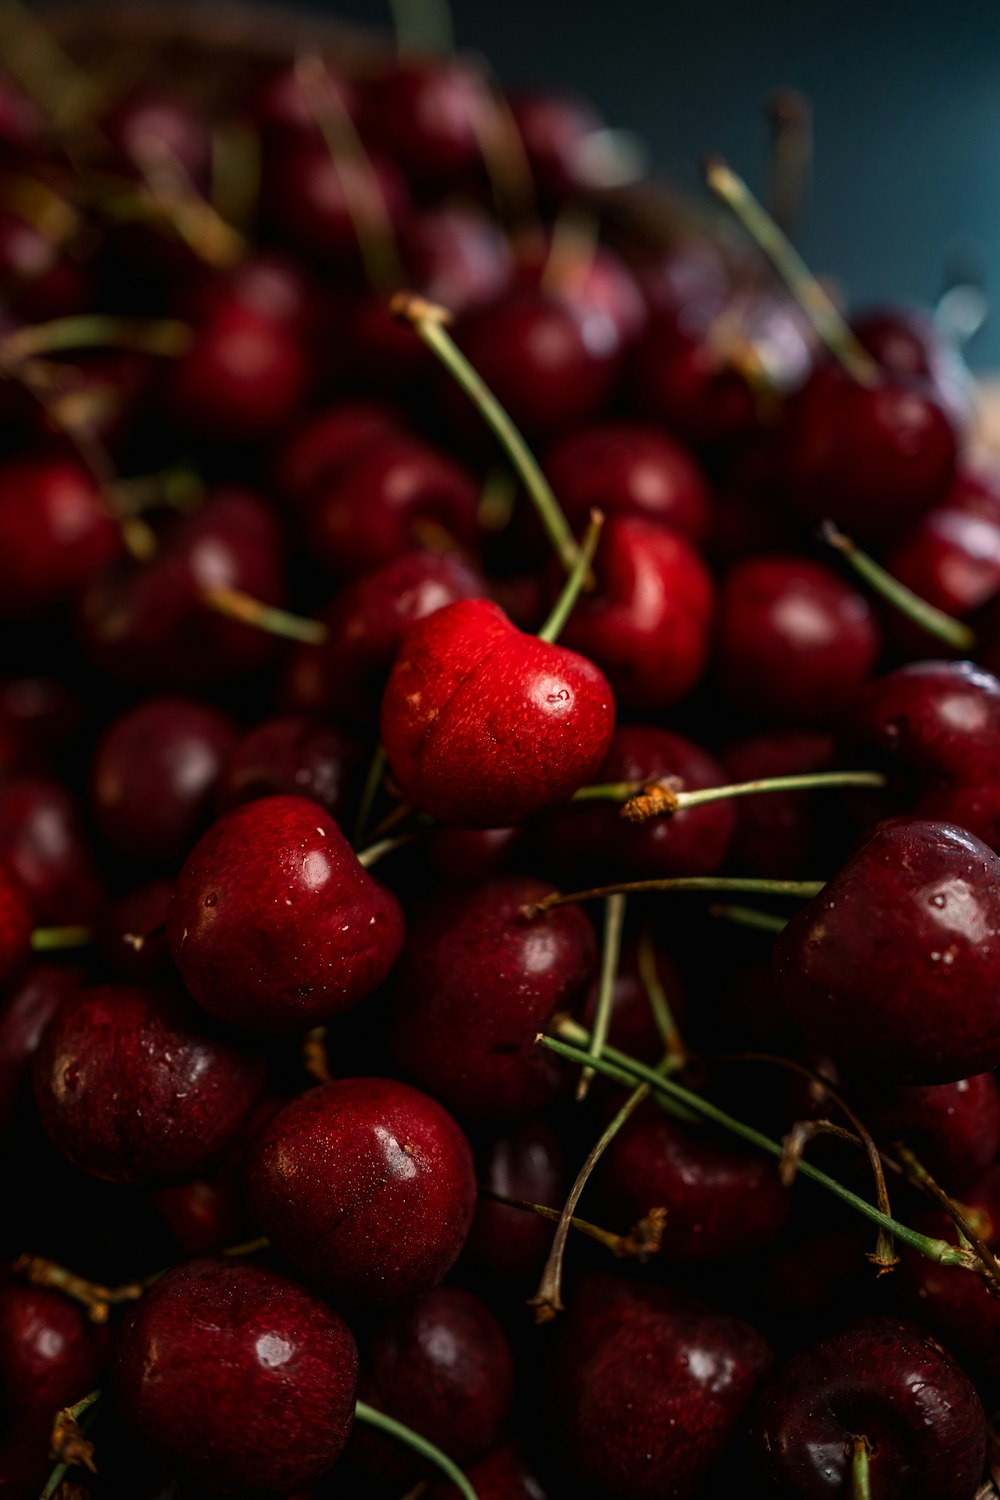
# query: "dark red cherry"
721 1201
483 725
314 200
950 558
16 923
43 843
873 458
629 468
394 495
293 756
280 106
55 530
647 622
556 130
22 123
154 774
526 1162
693 841
650 1388
147 126
27 1008
473 854
776 831
591 279
954 1128
274 925
476 983
883 1380
132 1088
443 1366
976 490
214 1340
431 114
328 441
39 275
133 936
244 377
148 623
908 341
633 1027
367 1186
503 1475
894 968
795 641
39 718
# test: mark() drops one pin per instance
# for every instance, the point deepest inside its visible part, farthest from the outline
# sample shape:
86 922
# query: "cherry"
503 1475
42 842
893 968
380 505
367 1186
951 559
908 341
27 1009
476 983
280 107
650 1387
244 377
976 491
145 122
954 1128
291 756
775 832
721 1202
138 914
890 1383
37 272
473 854
589 278
16 923
273 923
484 726
148 622
212 1341
132 1088
154 775
629 468
327 442
443 1367
556 130
22 124
55 530
315 201
647 622
365 625
431 115
795 642
873 458
525 1162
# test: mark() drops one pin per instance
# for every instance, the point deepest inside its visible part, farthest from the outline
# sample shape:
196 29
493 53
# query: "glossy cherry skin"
894 968
775 831
872 458
484 726
720 1201
367 1186
647 622
476 983
131 1087
443 1366
908 341
213 1340
889 1382
314 201
693 841
394 494
244 377
954 1128
525 1162
16 923
950 558
28 1007
503 1475
795 642
55 529
43 843
154 774
292 756
274 925
629 468
328 441
430 114
147 622
649 1388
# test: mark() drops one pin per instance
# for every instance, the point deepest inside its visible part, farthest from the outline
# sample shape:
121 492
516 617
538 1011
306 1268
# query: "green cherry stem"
810 294
165 336
860 1477
369 792
374 1418
630 1071
659 1004
926 617
428 320
552 629
660 799
53 939
749 885
614 922
68 1428
244 608
749 916
375 852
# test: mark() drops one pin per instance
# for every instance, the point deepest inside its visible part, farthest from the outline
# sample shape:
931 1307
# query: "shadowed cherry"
43 843
16 923
555 130
133 932
292 756
145 121
327 443
954 1128
315 202
526 1162
503 1475
55 530
633 1028
776 831
244 377
27 1008
431 114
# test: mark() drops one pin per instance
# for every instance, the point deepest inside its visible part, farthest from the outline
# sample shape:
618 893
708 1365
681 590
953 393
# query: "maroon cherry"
144 123
244 377
55 529
43 843
472 854
650 1388
527 1163
503 1475
367 1186
315 201
131 1086
212 1341
476 983
889 1383
443 1367
16 923
894 968
591 279
27 1008
39 719
556 130
280 106
795 642
633 1028
976 490
39 274
908 341
954 1128
133 939
776 831
154 774
274 924
484 726
950 558
327 442
431 114
291 756
647 622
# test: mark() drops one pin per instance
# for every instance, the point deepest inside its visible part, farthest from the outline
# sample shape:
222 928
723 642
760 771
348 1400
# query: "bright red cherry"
293 756
55 530
367 1186
484 726
274 924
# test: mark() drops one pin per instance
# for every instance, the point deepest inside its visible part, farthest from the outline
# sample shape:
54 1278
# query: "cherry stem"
315 1058
749 885
860 1453
505 157
165 336
369 792
809 293
927 617
52 939
919 1175
563 608
749 916
372 1417
662 798
630 1071
68 1428
184 207
174 488
619 1245
375 852
428 320
244 608
659 1004
97 1299
790 119
614 922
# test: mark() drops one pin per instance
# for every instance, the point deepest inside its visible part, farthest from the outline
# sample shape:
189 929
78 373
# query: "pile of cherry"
414 1069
